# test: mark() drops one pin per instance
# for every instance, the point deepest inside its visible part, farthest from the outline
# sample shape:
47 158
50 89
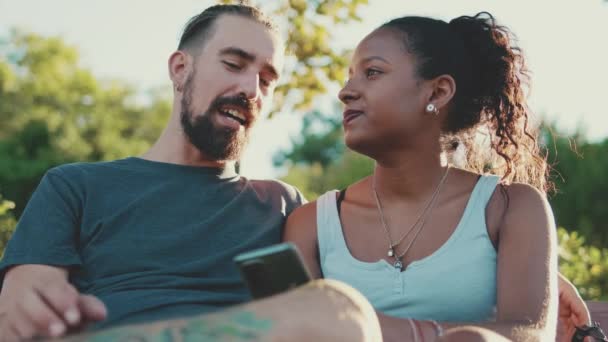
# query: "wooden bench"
599 313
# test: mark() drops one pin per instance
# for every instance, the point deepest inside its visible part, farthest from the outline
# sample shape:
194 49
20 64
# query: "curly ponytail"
491 80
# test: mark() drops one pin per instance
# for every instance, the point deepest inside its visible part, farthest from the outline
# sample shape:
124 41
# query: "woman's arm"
526 279
526 276
527 262
301 229
573 311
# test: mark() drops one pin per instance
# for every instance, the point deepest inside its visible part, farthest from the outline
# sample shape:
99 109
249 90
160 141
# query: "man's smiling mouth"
235 114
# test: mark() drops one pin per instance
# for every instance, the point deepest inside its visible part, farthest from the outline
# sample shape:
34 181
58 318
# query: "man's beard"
214 142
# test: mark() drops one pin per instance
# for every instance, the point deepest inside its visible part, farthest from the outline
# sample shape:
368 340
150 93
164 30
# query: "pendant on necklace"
391 252
398 264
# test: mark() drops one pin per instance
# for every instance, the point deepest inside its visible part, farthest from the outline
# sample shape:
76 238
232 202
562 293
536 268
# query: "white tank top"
456 283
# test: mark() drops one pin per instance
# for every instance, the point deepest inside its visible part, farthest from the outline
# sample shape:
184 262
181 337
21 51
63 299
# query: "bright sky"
565 42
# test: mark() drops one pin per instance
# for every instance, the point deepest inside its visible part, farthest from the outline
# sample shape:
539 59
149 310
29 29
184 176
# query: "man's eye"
232 66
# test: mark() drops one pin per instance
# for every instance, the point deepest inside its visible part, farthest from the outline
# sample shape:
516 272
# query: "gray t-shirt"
151 240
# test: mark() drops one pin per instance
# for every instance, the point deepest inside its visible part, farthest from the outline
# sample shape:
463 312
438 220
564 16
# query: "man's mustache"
239 101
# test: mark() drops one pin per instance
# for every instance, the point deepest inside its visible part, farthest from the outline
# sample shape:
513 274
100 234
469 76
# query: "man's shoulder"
78 170
273 185
278 188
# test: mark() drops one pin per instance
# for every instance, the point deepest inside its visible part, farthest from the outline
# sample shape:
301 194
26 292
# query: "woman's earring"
430 108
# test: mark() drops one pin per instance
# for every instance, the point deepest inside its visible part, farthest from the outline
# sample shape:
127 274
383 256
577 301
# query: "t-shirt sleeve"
296 199
300 198
47 231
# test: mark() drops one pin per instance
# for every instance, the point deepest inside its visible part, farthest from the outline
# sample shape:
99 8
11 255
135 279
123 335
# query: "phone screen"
271 270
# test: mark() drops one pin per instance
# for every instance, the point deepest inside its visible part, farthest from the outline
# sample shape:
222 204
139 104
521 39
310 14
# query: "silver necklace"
422 216
398 260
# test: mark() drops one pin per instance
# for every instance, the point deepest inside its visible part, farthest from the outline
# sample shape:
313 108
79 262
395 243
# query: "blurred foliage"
318 159
7 222
579 174
313 60
320 141
586 266
318 146
313 180
52 111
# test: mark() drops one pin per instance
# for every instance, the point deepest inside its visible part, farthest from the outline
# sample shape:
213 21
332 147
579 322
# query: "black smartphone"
271 270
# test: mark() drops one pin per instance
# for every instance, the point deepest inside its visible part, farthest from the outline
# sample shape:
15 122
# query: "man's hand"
38 301
572 310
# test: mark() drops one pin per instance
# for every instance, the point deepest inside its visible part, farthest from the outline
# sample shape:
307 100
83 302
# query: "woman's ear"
178 69
444 89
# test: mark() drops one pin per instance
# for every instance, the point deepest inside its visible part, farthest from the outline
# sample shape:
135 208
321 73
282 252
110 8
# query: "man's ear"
444 89
178 64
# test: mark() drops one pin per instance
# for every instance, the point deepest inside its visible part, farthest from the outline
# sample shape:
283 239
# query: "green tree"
580 202
586 266
52 111
320 141
318 159
313 179
7 222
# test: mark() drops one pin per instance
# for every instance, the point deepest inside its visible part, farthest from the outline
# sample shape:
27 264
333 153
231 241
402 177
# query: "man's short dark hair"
200 27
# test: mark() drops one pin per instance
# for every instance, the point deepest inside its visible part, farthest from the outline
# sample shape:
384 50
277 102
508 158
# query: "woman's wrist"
426 331
416 334
438 328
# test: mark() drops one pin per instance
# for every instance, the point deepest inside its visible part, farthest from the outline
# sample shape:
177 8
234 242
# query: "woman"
453 227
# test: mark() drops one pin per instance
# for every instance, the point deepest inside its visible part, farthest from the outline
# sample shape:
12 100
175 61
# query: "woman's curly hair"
488 116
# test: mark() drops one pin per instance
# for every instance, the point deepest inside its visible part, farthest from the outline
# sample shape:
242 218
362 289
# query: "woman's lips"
350 115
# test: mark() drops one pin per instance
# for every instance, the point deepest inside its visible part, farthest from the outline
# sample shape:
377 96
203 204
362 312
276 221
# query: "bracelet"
438 328
419 328
414 329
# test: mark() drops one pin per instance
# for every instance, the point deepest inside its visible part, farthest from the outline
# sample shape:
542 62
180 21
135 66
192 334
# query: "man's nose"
250 87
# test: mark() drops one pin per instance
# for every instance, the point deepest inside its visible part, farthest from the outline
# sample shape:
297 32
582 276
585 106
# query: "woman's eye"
372 72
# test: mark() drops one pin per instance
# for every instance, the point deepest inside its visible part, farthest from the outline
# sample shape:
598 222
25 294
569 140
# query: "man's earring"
179 88
430 108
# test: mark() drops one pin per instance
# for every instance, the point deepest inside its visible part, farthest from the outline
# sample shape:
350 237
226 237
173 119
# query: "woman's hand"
572 310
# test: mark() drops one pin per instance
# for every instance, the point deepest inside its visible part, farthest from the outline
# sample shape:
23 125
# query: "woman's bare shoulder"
305 212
